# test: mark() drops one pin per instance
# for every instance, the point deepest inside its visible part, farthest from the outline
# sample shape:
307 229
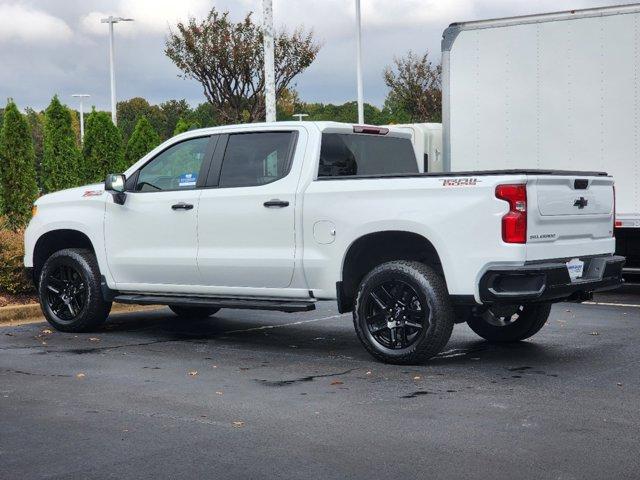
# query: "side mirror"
115 183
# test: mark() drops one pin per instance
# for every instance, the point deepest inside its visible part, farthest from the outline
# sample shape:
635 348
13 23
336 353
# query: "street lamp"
300 116
269 61
81 96
111 20
359 64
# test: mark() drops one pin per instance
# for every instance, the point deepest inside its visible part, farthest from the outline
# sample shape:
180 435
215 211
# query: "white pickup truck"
278 216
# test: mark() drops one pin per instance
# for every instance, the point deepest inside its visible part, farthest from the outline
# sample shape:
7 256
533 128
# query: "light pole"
81 96
269 61
300 116
111 20
359 64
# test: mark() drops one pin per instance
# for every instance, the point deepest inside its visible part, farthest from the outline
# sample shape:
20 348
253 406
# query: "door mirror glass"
115 183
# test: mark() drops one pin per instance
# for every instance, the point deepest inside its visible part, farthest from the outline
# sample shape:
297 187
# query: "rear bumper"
550 281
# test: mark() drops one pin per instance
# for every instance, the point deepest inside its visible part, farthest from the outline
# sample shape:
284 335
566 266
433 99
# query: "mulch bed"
7 299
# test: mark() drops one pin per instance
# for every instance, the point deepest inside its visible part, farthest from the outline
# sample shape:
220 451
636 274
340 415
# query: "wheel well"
373 249
56 240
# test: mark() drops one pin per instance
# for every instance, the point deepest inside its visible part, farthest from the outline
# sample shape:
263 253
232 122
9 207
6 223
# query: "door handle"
182 206
275 203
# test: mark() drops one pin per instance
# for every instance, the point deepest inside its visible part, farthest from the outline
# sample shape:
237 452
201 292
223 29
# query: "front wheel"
510 323
403 314
70 293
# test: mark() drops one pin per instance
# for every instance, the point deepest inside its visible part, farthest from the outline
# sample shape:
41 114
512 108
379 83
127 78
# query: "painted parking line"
612 304
299 322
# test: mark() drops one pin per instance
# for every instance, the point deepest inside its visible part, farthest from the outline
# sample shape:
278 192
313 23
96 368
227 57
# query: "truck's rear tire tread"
533 317
432 285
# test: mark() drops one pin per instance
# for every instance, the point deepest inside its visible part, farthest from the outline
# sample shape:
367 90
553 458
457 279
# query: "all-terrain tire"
530 319
82 275
431 292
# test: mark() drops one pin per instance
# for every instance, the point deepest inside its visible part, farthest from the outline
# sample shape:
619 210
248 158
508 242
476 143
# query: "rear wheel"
187 313
403 313
510 323
70 293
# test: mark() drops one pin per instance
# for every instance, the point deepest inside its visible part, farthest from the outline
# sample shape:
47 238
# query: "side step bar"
219 302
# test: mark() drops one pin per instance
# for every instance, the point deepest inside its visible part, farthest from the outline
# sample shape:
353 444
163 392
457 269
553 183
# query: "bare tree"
227 59
415 87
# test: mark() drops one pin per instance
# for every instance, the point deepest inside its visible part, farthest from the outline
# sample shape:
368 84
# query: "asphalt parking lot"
251 394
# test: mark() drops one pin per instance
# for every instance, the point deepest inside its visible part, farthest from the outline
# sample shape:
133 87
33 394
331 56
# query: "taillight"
514 223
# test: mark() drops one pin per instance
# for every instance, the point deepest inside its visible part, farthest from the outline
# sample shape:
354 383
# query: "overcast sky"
60 46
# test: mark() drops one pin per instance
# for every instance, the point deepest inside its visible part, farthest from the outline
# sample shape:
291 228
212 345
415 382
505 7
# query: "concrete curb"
32 312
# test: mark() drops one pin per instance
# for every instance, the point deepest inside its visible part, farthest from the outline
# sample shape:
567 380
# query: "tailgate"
569 216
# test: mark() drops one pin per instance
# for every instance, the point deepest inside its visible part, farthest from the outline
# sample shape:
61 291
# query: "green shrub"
17 168
143 139
103 152
61 157
13 278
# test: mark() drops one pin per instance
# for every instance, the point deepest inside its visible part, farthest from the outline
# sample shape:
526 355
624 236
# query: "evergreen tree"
143 139
61 157
17 169
102 152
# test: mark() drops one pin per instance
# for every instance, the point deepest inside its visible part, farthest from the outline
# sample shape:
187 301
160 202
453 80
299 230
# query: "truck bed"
473 173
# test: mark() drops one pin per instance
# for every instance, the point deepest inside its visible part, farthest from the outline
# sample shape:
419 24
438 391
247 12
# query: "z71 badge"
460 182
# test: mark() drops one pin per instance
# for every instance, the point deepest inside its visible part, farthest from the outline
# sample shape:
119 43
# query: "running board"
218 302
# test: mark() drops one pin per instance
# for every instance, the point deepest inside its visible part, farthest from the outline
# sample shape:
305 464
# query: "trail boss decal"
460 182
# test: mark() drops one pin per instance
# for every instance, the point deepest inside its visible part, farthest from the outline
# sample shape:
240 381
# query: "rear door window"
252 159
356 155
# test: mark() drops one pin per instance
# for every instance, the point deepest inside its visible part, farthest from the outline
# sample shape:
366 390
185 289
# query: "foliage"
130 111
184 126
17 168
173 111
204 115
143 139
415 88
36 126
102 151
61 159
227 59
13 278
347 112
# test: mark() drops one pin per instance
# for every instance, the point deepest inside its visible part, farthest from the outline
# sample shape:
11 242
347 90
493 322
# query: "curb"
32 312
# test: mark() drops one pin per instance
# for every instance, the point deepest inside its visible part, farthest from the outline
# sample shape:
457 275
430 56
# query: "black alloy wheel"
66 293
395 315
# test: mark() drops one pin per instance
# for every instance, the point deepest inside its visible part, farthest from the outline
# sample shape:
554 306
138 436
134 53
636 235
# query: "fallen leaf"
80 375
193 373
219 393
417 377
368 373
94 339
238 424
337 382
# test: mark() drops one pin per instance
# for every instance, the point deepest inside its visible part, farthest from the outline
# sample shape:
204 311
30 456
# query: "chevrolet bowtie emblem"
581 202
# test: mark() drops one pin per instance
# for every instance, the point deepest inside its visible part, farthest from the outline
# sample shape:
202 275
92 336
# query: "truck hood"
72 194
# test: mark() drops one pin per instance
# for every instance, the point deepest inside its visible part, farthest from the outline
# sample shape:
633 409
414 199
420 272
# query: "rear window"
353 155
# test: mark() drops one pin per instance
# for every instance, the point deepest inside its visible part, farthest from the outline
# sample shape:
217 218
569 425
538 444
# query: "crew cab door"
246 219
151 240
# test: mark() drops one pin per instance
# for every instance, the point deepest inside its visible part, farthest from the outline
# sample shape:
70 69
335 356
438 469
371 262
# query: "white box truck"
550 91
